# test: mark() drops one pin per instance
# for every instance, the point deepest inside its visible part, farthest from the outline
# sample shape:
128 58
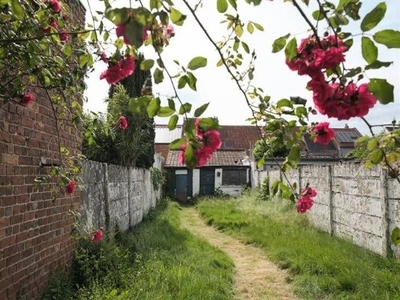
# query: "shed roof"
219 158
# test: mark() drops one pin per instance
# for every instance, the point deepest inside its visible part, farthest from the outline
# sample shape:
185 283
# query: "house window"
234 176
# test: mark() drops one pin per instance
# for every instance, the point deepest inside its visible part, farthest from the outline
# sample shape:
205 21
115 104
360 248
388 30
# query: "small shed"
228 172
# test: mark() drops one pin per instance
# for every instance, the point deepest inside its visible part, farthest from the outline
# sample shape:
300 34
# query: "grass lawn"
321 267
156 260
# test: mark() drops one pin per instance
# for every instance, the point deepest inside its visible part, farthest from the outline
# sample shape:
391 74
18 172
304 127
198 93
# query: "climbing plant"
34 32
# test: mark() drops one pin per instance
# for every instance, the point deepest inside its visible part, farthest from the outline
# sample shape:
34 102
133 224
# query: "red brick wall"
34 229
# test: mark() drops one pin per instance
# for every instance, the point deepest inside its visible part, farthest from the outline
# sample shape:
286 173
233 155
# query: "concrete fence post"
106 198
331 207
386 212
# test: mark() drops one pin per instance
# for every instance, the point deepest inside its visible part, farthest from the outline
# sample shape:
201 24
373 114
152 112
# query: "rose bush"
32 29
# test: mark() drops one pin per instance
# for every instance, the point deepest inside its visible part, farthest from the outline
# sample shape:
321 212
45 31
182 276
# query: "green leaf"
183 80
171 103
155 4
396 236
298 100
372 18
84 60
317 15
197 62
190 158
389 38
165 111
233 3
274 187
153 107
17 9
158 75
294 154
376 156
147 64
172 122
176 144
177 17
208 123
239 30
185 108
382 90
133 33
378 64
258 26
348 43
192 80
284 103
369 50
372 144
279 43
68 50
117 15
291 49
245 47
250 27
199 111
301 111
260 163
222 6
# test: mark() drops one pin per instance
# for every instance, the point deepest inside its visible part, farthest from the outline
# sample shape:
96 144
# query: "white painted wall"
196 182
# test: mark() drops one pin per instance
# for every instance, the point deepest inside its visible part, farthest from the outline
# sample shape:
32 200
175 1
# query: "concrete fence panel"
354 203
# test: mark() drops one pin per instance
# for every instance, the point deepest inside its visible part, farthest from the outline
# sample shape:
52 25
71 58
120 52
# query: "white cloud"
214 84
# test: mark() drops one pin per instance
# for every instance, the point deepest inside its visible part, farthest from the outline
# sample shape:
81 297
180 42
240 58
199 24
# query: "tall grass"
156 260
321 267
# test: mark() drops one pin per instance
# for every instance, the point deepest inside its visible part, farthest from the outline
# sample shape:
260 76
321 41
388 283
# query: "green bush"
102 262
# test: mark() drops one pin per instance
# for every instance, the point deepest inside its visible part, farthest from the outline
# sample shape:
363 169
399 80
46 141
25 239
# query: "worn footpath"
255 277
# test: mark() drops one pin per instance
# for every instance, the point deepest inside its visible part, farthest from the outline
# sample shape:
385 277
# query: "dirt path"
256 277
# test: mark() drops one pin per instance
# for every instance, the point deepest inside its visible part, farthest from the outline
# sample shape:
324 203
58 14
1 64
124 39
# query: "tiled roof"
164 135
219 158
239 136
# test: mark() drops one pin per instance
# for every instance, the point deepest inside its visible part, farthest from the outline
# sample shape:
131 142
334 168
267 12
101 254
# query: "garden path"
256 277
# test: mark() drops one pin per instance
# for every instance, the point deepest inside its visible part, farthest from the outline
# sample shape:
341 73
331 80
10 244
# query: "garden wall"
116 197
355 203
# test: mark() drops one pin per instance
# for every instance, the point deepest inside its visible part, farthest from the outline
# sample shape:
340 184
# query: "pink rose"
123 122
27 98
55 5
64 36
97 236
70 188
323 134
304 204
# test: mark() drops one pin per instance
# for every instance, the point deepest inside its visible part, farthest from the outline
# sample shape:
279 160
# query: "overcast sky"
214 84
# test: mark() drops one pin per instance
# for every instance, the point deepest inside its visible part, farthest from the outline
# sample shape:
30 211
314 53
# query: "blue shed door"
181 187
207 184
